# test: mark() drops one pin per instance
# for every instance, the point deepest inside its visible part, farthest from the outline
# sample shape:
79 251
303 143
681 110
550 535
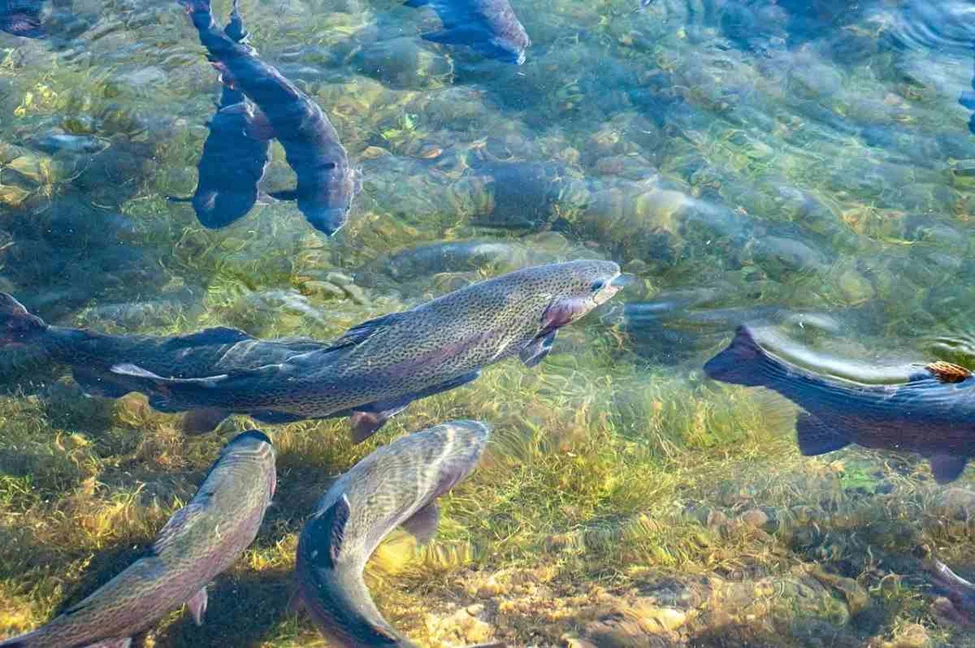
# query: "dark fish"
929 413
198 543
91 355
326 182
235 153
397 485
22 18
378 367
489 27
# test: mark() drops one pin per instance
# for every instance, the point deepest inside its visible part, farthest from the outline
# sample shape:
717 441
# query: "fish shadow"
244 609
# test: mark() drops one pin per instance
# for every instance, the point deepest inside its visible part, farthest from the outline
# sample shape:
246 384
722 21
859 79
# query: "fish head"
17 324
328 211
572 289
216 209
255 446
504 49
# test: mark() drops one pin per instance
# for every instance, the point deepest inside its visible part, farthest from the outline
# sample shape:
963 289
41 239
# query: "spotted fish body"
91 355
327 183
397 485
22 18
377 368
932 413
198 543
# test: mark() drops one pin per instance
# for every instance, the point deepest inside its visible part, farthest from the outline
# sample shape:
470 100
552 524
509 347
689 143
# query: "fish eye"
597 285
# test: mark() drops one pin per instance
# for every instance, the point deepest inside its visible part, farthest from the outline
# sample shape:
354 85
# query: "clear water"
806 165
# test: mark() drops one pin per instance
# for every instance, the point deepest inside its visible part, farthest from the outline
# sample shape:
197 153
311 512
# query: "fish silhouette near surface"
489 27
397 485
92 355
930 413
198 543
377 368
326 182
235 154
22 18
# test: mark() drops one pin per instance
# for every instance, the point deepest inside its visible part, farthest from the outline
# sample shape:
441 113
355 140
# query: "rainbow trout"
91 355
377 368
198 543
397 485
235 154
930 413
326 182
489 27
22 18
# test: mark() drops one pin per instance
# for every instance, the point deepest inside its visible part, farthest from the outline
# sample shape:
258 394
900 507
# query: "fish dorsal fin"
215 335
948 372
326 533
361 332
423 524
181 520
198 605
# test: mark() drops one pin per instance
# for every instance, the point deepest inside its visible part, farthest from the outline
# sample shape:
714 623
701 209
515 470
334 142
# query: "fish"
376 369
326 182
235 154
929 411
91 355
396 486
22 18
489 27
198 543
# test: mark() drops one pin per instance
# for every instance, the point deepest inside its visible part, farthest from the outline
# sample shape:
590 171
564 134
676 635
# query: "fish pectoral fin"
817 437
285 194
537 349
201 421
365 424
947 468
198 605
453 36
423 524
948 372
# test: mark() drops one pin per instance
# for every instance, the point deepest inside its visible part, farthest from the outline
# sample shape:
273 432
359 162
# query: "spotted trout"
91 355
198 543
326 183
395 486
235 153
930 413
377 368
489 27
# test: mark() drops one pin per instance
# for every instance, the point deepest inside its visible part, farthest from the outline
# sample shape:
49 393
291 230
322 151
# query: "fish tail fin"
17 324
740 362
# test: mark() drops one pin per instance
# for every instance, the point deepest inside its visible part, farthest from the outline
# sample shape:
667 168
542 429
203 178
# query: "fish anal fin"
948 372
537 349
202 421
423 524
816 437
198 605
947 468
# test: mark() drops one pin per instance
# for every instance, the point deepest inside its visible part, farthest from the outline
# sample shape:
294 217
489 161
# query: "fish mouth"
609 290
